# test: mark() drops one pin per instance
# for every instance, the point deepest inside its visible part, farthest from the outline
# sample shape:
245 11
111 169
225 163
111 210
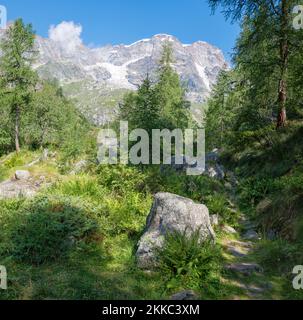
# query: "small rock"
214 219
79 167
255 289
184 295
248 225
17 188
216 171
236 252
246 245
181 164
263 205
251 235
228 186
212 156
22 175
244 268
44 156
229 229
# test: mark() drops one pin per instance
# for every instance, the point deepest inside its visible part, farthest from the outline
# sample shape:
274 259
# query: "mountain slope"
97 78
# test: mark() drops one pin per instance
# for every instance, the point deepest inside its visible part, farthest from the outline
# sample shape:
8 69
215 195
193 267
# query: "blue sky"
126 21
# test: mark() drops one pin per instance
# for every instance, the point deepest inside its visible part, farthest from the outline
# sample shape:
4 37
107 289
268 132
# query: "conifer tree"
270 17
170 94
18 79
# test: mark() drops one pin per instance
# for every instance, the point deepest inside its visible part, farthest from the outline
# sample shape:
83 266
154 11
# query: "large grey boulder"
171 213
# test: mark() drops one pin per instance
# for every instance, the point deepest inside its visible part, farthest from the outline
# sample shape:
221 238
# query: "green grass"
78 238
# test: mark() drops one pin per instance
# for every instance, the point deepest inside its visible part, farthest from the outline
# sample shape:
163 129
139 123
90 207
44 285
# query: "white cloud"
68 34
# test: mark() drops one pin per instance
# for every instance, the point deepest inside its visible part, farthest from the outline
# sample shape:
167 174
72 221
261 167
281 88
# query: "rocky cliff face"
97 78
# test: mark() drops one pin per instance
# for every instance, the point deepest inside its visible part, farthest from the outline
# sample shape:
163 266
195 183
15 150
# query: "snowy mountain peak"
98 77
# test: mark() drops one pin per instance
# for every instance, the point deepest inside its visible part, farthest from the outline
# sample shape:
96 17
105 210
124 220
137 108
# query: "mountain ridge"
97 78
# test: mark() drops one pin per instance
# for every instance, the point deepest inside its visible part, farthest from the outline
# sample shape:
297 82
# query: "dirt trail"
242 270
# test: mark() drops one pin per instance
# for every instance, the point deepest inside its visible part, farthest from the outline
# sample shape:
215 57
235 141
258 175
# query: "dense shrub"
218 204
113 196
253 190
50 229
119 178
279 256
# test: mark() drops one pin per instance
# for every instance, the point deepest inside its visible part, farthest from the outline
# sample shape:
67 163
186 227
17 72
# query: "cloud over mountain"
67 34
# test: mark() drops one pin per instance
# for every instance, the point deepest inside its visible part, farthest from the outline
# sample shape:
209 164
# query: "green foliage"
50 229
120 179
218 203
5 125
18 79
80 186
35 113
174 109
141 109
221 111
161 105
253 190
14 161
279 256
186 259
115 196
127 201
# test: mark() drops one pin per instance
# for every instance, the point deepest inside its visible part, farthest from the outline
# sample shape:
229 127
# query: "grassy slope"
104 267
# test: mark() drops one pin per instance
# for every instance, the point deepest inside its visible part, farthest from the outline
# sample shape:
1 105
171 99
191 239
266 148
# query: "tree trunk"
17 130
284 53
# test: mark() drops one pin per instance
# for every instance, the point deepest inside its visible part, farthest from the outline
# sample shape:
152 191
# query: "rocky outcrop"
179 165
171 213
246 268
228 229
17 188
213 168
23 185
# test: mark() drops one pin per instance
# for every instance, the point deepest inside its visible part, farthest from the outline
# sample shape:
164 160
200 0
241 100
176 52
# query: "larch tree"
278 12
18 79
